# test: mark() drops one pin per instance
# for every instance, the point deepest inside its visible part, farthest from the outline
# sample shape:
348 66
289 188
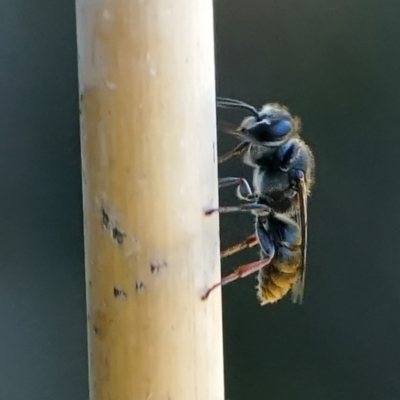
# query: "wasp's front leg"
240 208
239 150
243 191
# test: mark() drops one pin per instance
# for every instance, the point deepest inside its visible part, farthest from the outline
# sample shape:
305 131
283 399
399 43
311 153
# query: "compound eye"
282 128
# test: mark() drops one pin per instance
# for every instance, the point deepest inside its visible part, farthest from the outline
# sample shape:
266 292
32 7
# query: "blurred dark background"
336 64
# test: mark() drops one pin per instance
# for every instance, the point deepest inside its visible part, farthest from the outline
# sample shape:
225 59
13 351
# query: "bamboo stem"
146 71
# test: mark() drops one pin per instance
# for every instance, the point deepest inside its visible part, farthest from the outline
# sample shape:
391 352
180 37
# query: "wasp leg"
233 180
264 239
248 242
243 191
240 272
237 151
240 208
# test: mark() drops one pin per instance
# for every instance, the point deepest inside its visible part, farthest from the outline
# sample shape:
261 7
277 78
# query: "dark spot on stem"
214 152
105 218
157 264
80 103
96 329
119 293
118 235
139 286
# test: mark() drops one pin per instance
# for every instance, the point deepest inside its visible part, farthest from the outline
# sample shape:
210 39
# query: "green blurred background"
336 64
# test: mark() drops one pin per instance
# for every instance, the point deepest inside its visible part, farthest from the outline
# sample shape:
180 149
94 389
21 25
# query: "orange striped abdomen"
276 279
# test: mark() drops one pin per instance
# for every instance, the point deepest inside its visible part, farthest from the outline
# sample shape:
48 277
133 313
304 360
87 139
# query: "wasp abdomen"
275 281
274 284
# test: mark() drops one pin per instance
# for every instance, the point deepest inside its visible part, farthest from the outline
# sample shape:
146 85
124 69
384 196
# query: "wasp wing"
301 218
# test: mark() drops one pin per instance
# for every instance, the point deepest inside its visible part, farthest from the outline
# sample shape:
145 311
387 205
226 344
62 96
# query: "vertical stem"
146 72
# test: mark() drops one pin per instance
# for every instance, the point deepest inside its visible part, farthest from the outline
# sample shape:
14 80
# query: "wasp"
283 175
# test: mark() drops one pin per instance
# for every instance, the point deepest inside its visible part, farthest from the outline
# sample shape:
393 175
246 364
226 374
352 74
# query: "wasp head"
273 126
